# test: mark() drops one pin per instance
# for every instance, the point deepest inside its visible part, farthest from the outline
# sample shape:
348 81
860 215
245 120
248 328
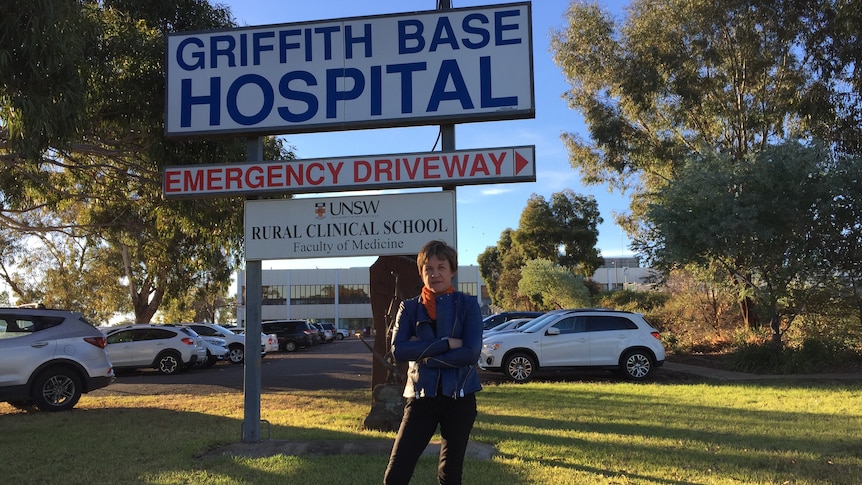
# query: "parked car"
49 358
270 342
510 326
235 341
292 334
580 338
343 333
492 321
169 349
216 350
336 335
325 334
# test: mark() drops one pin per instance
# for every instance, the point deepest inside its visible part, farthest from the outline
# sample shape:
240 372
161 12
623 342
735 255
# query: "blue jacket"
432 364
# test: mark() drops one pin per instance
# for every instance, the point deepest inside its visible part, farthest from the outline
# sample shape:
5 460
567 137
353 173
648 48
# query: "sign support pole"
253 312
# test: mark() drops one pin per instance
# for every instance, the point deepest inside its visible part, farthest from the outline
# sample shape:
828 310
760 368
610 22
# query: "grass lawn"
777 432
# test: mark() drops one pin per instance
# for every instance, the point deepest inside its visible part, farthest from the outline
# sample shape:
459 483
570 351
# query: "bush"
813 356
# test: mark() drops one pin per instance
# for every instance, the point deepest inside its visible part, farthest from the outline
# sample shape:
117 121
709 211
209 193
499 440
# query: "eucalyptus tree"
682 81
109 165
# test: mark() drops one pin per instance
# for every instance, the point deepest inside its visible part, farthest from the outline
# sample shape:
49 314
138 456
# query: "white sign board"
419 68
460 167
347 226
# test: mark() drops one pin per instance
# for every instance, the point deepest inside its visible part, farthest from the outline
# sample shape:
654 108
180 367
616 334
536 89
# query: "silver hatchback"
48 358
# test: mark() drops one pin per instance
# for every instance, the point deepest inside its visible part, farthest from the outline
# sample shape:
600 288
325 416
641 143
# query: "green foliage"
670 109
563 233
552 287
814 355
100 177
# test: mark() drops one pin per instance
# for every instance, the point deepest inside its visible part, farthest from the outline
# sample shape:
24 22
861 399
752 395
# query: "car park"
49 358
505 327
235 341
579 338
167 348
492 321
291 334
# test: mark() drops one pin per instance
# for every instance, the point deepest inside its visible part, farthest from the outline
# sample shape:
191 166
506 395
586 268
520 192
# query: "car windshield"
538 323
498 327
220 329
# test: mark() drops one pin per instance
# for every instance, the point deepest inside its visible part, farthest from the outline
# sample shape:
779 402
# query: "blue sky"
483 211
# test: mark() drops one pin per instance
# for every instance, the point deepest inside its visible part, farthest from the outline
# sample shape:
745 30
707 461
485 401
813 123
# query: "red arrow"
520 163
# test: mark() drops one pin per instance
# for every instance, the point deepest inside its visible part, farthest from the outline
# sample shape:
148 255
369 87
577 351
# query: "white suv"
580 338
235 342
48 358
166 348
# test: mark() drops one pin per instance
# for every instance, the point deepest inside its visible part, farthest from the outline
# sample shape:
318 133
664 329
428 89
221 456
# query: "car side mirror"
553 331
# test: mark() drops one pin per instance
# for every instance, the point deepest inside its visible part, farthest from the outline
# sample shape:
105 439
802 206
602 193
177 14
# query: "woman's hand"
454 343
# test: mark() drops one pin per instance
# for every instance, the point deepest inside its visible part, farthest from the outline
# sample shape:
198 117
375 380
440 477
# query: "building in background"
343 296
340 296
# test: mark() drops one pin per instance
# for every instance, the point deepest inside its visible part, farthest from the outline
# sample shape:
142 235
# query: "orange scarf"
430 302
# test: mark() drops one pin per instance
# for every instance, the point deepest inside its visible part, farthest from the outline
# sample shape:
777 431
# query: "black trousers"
421 417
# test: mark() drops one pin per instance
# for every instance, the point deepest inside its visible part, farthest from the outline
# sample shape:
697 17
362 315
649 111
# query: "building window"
312 295
354 294
274 295
471 289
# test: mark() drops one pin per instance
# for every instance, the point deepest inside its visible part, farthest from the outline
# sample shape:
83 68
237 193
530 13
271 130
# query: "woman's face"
437 274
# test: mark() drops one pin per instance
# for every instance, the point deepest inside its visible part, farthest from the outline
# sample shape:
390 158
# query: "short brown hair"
439 249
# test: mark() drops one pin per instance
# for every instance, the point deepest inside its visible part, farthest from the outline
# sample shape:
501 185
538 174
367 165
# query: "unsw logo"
320 210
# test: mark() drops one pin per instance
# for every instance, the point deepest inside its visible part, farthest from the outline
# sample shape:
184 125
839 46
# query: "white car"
216 350
235 341
168 348
579 338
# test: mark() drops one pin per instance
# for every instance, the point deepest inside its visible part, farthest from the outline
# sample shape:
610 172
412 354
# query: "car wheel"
339 336
169 363
236 354
637 365
290 346
520 367
56 390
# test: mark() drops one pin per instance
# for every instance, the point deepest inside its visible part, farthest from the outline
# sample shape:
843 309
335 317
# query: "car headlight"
491 346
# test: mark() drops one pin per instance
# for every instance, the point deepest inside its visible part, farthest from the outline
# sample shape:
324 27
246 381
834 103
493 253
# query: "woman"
440 334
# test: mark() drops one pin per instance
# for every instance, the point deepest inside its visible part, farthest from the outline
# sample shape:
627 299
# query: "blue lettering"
483 34
187 101
500 27
349 40
284 45
227 51
197 56
258 47
266 107
488 101
443 26
415 37
333 95
406 71
449 70
376 91
309 99
327 39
